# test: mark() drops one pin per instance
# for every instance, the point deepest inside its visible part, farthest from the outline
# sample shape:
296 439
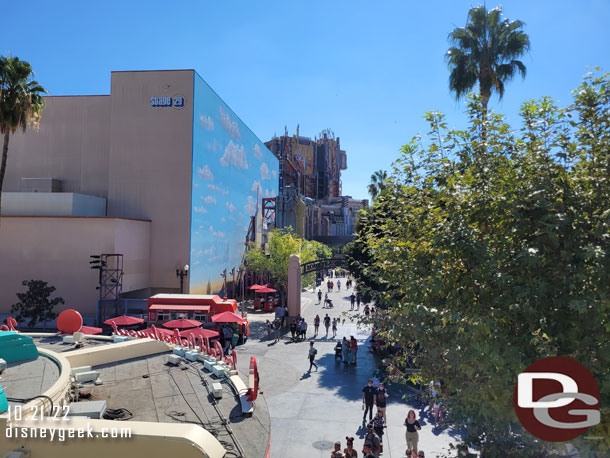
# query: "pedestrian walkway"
310 411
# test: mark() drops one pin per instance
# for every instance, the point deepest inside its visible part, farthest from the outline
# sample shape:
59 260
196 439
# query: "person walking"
358 301
380 400
319 296
303 329
367 310
411 434
283 313
336 453
353 346
276 326
367 451
345 350
293 329
338 285
372 439
327 324
378 425
352 300
312 356
316 325
349 451
268 324
328 286
332 285
334 328
325 300
368 399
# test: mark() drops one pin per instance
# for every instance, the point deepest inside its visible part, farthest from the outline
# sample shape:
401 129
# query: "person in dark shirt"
380 399
368 398
412 427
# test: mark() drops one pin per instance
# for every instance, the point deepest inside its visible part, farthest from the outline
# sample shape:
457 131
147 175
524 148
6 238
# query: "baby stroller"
339 350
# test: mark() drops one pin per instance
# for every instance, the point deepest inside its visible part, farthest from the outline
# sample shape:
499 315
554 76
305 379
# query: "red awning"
181 308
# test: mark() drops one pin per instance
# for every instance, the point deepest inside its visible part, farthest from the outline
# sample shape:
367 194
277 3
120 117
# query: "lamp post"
241 275
233 274
181 274
223 274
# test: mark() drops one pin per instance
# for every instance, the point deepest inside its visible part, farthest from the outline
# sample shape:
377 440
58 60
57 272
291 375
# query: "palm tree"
378 183
21 102
486 51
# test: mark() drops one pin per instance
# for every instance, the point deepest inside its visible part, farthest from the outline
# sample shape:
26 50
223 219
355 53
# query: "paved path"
309 412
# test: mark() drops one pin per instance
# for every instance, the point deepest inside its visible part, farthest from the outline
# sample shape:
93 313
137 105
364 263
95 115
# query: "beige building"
114 174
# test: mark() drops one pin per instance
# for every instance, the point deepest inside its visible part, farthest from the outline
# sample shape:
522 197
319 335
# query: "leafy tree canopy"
491 254
35 305
275 260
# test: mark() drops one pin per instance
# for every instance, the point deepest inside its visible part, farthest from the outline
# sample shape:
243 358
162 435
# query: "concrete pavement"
310 411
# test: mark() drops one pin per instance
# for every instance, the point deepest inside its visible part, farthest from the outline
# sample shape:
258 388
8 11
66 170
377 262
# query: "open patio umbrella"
264 289
90 330
124 320
255 286
227 317
182 323
200 332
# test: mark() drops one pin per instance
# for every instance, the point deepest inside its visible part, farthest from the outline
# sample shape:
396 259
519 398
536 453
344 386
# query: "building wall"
150 163
52 204
57 250
72 145
232 171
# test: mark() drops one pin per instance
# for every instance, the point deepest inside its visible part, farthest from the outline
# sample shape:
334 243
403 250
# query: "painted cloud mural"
232 171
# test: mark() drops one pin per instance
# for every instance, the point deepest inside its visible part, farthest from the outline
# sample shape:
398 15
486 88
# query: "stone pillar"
294 286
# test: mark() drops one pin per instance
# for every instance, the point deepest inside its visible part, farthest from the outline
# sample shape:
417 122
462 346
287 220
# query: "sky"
366 70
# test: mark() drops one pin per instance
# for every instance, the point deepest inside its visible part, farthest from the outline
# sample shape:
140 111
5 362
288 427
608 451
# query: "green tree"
21 103
275 260
35 304
486 51
496 254
378 183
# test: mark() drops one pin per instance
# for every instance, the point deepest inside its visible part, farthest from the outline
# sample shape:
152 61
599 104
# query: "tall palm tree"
21 102
486 51
378 183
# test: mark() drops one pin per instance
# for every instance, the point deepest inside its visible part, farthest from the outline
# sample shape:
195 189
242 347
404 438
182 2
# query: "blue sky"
367 70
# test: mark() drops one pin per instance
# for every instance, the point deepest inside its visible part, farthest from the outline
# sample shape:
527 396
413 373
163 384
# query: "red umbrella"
227 317
200 332
90 330
124 321
182 323
255 286
266 290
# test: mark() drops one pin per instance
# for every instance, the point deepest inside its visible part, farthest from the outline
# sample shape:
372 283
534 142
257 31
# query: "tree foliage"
275 260
35 305
494 253
21 102
486 51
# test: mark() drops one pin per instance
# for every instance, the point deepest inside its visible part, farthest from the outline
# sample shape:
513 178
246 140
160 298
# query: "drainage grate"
323 445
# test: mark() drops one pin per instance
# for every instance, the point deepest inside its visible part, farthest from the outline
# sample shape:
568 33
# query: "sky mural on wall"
232 171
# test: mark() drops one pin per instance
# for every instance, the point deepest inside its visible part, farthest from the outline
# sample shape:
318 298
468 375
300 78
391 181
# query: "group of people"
347 350
229 337
298 329
374 395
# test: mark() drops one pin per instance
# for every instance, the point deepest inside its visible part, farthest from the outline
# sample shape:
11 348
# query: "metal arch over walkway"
322 264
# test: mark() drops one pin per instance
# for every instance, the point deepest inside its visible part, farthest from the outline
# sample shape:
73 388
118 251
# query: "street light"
223 274
181 274
233 274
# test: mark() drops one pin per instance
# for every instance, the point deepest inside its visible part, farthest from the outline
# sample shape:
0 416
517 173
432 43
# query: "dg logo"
556 399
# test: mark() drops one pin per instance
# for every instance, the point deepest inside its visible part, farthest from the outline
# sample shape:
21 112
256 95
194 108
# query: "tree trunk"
3 167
